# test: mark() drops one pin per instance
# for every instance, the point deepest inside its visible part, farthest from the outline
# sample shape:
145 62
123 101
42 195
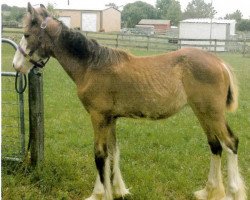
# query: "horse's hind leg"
214 189
236 187
220 137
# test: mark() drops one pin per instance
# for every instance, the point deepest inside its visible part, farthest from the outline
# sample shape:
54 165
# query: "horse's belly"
150 105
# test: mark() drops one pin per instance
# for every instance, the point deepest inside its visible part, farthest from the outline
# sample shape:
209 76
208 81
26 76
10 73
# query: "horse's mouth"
22 69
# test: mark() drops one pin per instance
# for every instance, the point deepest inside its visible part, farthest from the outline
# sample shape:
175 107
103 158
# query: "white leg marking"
103 192
119 187
107 181
214 188
99 188
98 192
214 176
236 187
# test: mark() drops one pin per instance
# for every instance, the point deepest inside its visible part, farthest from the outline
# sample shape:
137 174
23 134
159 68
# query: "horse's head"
37 42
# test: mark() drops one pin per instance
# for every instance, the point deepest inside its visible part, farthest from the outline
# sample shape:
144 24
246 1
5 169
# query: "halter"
39 63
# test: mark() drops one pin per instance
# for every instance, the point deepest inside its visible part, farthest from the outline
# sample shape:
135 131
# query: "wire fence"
13 113
13 124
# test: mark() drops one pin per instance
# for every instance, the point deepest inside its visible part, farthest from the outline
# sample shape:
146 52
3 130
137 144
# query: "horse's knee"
101 155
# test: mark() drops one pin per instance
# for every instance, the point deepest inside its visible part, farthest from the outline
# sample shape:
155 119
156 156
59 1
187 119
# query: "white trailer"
199 32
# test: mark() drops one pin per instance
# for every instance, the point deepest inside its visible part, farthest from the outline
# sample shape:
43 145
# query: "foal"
112 83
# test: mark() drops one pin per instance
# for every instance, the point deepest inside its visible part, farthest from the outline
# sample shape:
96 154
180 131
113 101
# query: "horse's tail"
232 93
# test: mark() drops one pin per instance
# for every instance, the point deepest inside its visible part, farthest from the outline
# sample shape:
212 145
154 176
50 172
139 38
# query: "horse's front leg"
102 125
119 187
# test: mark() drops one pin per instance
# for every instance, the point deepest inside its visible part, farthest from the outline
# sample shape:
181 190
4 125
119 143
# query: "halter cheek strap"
40 64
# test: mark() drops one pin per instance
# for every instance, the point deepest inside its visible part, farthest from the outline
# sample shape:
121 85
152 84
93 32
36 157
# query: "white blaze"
19 62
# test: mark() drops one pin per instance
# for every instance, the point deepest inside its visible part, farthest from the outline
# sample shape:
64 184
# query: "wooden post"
36 117
147 42
244 47
215 45
21 114
117 40
179 43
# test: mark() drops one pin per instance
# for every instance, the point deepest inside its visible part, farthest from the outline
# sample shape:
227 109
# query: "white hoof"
227 198
211 194
235 197
201 194
96 197
120 193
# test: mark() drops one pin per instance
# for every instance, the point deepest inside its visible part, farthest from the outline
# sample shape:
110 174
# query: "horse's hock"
22 114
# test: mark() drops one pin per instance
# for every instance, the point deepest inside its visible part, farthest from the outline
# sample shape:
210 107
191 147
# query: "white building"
101 20
202 30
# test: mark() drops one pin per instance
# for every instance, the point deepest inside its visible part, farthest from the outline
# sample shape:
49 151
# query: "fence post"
148 42
117 38
215 45
36 117
21 114
244 47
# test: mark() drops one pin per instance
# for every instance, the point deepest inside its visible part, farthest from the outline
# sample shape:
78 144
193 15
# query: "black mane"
89 50
76 43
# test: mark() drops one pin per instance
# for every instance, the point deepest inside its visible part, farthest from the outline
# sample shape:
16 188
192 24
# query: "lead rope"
18 89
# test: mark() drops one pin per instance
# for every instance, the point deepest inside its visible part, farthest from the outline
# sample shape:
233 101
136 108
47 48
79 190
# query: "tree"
199 9
243 25
162 6
52 11
17 13
132 13
169 9
5 7
13 13
237 15
112 5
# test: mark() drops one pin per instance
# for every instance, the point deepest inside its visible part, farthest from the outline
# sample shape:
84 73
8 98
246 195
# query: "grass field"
160 160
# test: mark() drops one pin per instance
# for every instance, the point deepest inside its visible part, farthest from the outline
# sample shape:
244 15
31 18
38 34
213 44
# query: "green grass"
160 160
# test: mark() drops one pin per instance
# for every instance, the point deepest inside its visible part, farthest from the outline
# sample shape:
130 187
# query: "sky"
221 6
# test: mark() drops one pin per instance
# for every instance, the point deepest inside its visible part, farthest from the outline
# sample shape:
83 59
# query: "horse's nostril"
14 66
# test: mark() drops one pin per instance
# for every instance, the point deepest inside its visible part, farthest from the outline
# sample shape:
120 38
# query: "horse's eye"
26 35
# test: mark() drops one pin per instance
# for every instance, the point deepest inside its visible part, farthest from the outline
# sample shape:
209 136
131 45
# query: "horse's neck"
73 67
76 54
71 51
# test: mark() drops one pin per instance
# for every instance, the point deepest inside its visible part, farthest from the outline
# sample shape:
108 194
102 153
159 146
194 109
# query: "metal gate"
13 117
13 123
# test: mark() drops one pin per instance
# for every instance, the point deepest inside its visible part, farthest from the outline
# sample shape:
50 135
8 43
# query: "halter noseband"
40 63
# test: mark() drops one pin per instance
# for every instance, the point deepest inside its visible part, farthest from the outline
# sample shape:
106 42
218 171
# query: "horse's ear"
32 11
42 6
30 8
46 13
